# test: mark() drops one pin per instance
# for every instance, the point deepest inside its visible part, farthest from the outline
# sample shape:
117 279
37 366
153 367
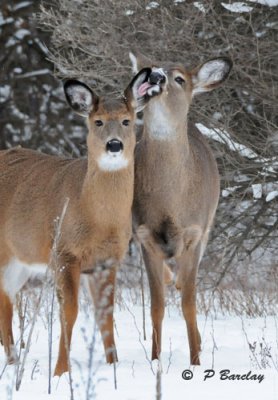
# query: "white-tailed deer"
176 186
96 228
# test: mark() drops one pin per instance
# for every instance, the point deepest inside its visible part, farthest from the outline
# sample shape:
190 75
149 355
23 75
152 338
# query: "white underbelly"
16 274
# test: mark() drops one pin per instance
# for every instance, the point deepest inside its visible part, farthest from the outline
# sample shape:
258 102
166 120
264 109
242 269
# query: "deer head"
177 86
111 139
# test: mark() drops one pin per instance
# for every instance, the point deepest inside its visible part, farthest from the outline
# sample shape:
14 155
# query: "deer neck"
109 192
161 126
160 168
165 143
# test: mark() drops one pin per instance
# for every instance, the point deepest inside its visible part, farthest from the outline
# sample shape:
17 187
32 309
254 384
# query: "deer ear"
136 93
139 61
210 75
134 63
80 97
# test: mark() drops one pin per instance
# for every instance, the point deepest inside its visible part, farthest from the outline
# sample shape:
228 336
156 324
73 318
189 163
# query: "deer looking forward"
176 186
97 225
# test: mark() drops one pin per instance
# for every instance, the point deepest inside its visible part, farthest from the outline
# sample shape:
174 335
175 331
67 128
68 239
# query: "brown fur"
96 228
176 195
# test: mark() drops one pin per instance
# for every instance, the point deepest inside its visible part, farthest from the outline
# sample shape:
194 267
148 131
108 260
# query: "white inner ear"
210 73
138 101
133 60
80 96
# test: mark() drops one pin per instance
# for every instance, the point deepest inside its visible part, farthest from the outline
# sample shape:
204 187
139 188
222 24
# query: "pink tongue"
142 90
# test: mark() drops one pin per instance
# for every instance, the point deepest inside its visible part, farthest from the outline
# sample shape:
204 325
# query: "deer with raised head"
176 186
96 228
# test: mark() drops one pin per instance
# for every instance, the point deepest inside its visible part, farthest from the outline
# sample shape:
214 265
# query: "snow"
18 35
217 115
21 5
42 46
18 114
206 36
272 24
270 3
257 191
237 7
226 344
152 4
6 21
21 33
38 72
269 164
229 190
129 12
271 196
223 137
10 42
259 35
14 131
244 7
5 92
200 6
17 70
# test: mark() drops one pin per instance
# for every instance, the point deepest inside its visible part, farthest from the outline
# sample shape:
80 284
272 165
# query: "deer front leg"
102 287
6 331
155 272
68 279
188 268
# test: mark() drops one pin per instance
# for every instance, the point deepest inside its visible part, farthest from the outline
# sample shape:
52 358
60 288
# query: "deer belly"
16 274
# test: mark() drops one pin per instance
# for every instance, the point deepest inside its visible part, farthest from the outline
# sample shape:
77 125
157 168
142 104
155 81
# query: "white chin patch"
112 161
153 90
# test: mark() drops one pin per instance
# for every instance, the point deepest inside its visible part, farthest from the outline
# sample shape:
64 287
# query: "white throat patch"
112 161
158 125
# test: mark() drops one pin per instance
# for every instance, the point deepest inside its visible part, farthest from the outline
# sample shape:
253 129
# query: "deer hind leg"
155 272
6 332
102 287
68 279
168 274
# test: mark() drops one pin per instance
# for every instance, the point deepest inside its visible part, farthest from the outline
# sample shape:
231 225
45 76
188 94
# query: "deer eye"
126 122
98 122
179 80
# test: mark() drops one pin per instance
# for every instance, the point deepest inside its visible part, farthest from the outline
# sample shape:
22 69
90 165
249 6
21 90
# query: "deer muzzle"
114 146
157 78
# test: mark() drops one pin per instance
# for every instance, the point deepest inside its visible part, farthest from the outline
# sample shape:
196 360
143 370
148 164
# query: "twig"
54 265
34 369
142 290
158 381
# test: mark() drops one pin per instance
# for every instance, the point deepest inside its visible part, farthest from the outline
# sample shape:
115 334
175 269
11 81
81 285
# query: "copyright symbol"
187 374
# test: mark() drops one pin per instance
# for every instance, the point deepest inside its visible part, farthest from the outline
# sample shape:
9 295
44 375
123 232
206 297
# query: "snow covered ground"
225 343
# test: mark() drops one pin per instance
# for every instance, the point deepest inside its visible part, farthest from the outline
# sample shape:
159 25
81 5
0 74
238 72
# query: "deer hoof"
61 369
12 358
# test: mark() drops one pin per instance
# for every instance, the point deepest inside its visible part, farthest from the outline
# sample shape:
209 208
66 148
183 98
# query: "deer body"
184 170
176 188
90 236
96 227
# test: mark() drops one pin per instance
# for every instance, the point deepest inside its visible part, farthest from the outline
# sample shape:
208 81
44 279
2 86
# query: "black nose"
156 78
114 146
